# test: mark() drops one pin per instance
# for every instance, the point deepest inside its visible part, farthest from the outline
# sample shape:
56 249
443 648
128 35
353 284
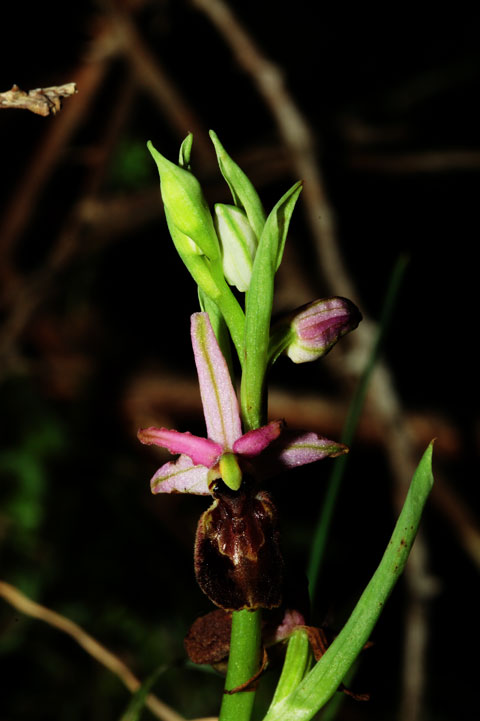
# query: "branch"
154 78
24 604
428 161
41 101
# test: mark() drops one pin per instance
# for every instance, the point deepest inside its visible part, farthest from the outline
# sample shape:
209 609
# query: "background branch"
41 101
95 649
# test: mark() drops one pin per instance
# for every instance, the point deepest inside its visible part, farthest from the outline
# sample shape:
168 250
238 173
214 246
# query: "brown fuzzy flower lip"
237 560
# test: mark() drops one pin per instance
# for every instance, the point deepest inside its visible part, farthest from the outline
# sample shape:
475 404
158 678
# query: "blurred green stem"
356 406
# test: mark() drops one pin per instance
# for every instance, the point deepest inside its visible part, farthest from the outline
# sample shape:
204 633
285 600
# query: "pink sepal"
220 404
202 451
181 476
299 448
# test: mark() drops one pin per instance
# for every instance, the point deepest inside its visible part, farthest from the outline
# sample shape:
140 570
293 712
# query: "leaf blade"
258 308
321 683
138 701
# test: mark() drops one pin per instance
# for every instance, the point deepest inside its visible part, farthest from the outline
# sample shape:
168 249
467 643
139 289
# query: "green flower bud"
184 244
186 206
239 245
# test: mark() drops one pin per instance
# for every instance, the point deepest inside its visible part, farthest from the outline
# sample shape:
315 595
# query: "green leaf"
197 264
185 203
258 309
244 194
323 680
279 219
297 663
185 152
211 282
139 698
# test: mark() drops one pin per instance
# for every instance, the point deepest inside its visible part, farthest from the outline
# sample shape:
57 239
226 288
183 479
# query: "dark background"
94 337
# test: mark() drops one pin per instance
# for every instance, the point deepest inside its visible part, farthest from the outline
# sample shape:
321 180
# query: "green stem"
243 664
231 310
245 639
253 340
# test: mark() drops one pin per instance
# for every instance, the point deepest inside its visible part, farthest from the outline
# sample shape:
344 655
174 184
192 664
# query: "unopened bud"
317 326
239 244
185 204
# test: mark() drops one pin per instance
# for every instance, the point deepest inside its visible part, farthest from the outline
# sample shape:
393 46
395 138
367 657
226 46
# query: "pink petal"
299 448
294 448
254 442
220 404
181 476
202 451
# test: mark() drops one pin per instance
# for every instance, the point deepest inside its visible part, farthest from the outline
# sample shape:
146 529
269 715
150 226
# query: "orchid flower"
226 453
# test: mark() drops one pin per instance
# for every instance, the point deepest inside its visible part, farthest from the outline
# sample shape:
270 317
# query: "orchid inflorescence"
217 465
239 247
237 558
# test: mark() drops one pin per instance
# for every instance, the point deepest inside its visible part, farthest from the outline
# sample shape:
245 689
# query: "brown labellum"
238 563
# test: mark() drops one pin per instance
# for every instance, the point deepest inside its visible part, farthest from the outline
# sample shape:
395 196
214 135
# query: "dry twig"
101 654
22 297
41 101
433 161
156 81
24 199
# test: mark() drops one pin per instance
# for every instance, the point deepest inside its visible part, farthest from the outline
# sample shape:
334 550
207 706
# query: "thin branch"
95 649
151 398
25 296
166 397
155 80
432 161
41 101
15 219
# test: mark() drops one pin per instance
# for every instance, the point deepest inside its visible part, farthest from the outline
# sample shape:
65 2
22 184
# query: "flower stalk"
243 664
